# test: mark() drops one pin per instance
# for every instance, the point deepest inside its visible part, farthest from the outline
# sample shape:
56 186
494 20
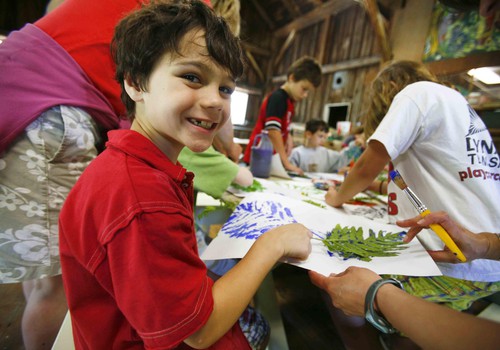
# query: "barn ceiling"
259 18
276 14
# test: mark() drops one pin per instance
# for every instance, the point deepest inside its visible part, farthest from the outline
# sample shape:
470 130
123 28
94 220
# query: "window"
336 112
239 102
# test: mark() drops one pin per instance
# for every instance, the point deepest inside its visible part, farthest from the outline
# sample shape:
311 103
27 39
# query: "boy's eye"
192 78
226 90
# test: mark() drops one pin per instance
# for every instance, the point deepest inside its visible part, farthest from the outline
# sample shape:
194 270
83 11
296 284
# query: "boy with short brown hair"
131 269
313 157
277 110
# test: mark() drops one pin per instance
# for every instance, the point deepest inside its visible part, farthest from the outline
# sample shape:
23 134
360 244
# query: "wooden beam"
323 38
263 14
317 15
283 49
351 64
292 6
249 89
378 24
334 67
256 49
254 65
459 65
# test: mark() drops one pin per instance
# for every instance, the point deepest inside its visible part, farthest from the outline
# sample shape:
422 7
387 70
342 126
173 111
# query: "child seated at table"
127 243
314 157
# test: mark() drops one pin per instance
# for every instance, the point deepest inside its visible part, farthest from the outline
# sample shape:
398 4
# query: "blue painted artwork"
251 219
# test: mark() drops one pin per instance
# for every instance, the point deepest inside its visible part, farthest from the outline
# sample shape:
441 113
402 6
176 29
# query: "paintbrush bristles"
398 179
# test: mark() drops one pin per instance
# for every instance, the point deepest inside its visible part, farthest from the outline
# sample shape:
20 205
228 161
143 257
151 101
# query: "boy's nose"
212 100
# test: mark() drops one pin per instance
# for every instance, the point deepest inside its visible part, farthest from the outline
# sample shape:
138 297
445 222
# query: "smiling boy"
131 269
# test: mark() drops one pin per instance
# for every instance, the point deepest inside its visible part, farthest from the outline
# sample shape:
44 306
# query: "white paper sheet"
326 176
277 168
259 212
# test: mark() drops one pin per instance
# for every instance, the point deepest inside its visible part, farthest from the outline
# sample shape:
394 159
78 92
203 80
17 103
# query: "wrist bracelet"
370 314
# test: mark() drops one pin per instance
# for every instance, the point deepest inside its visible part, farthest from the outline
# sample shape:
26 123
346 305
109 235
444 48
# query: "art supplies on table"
260 212
260 158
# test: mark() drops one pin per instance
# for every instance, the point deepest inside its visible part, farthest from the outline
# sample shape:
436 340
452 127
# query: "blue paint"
251 219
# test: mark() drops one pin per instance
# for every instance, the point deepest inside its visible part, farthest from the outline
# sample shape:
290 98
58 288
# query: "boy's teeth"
203 124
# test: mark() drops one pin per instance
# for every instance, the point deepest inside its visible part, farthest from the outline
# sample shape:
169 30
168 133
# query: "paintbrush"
422 209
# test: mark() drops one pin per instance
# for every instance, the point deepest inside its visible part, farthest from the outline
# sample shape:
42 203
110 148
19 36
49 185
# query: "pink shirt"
84 29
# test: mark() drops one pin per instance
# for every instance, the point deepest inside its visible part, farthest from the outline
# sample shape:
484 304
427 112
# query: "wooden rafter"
345 65
285 46
463 64
323 38
351 64
254 65
291 5
263 14
378 23
317 15
255 49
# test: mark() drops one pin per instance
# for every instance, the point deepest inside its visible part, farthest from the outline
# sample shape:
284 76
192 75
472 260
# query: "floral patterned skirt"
36 173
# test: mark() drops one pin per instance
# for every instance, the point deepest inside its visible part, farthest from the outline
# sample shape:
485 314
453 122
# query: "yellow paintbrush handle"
445 237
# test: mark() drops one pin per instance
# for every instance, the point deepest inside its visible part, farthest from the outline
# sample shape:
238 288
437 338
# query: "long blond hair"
389 81
230 11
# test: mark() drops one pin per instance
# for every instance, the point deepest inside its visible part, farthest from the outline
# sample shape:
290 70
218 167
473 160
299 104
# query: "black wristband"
373 317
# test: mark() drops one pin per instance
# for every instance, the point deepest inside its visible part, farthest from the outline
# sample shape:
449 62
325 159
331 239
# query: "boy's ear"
132 91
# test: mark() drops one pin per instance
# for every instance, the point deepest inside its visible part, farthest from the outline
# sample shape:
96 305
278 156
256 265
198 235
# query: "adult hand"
347 289
473 246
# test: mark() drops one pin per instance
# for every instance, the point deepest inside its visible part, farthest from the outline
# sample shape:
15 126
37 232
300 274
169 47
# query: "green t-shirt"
213 171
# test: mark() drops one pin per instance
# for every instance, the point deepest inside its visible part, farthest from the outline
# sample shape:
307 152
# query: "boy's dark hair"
306 68
315 125
144 36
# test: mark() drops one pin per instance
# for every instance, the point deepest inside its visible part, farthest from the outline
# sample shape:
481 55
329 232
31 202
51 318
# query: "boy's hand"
295 240
295 169
331 197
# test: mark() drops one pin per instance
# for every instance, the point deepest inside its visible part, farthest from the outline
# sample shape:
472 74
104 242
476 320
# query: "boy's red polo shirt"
130 263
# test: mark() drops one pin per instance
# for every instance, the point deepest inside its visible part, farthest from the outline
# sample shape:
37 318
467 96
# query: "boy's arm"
233 291
244 177
279 147
289 145
365 170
